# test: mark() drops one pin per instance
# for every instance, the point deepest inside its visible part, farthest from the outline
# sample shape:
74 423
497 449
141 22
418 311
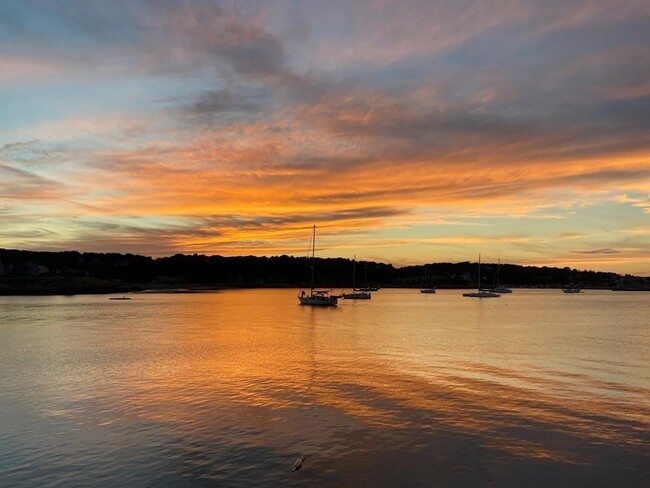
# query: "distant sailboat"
319 298
481 293
425 283
498 288
356 294
366 287
572 289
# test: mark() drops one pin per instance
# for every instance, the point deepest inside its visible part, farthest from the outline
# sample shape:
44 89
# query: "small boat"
425 282
356 293
482 294
501 289
479 293
317 298
119 298
367 288
497 287
572 289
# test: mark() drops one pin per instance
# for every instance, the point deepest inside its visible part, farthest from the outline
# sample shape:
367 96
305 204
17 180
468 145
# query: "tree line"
76 272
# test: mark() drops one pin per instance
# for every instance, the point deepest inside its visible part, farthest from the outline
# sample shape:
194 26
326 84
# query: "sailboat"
481 293
499 288
368 288
356 294
319 298
571 288
425 284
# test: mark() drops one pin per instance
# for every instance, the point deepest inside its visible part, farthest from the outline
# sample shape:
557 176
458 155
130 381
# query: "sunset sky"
409 132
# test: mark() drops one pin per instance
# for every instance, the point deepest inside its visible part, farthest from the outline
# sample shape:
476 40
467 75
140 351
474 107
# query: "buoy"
298 464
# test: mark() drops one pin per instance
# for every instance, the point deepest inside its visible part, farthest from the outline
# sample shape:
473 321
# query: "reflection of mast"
298 463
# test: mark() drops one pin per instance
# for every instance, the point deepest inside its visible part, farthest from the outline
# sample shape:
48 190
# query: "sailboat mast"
498 278
313 257
479 271
354 268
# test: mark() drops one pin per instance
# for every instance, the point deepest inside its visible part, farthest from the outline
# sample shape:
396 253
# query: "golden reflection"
279 372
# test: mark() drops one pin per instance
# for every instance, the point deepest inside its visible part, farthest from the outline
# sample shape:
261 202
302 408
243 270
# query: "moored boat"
318 298
498 288
356 294
572 289
479 293
426 287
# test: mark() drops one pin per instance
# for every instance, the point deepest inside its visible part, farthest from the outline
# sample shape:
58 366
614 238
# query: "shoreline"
92 286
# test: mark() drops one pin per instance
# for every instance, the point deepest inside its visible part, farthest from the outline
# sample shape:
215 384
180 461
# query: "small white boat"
317 298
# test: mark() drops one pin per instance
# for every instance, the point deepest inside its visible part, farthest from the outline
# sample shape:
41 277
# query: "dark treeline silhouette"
33 272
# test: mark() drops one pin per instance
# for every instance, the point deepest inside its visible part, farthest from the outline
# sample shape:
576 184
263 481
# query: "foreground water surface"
537 388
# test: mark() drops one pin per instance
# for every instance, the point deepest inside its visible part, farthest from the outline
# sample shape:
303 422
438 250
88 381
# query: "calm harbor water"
537 388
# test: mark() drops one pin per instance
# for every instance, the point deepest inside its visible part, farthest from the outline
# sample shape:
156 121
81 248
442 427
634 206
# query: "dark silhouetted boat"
318 298
571 289
356 294
497 287
481 293
426 288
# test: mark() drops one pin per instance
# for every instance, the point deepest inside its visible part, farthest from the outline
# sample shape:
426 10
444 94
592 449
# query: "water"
537 388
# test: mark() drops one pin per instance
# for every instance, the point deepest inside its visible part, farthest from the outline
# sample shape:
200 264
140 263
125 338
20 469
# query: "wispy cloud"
599 251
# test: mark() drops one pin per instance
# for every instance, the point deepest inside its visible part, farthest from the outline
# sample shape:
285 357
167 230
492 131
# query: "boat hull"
502 290
427 290
482 294
357 296
318 301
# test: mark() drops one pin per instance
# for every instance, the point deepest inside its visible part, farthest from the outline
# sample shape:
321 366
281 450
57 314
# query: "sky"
408 132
